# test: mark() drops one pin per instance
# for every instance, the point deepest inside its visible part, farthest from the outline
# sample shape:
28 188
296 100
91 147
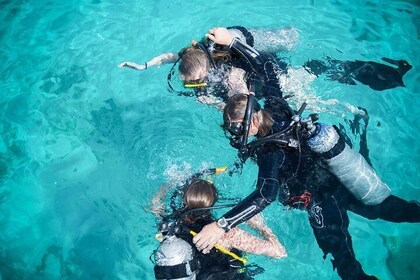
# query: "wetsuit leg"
329 221
393 209
376 75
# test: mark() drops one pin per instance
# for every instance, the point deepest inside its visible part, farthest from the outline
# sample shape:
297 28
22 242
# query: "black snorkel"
240 131
252 104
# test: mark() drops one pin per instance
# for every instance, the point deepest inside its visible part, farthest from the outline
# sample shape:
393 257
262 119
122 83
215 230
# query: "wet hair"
235 109
193 63
200 193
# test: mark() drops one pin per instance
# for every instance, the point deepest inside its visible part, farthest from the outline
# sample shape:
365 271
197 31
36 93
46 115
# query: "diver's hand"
220 35
207 238
133 65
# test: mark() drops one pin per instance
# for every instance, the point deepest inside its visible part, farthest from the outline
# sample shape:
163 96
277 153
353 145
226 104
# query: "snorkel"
240 131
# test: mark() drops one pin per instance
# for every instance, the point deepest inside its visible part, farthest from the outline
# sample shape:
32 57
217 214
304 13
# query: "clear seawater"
85 145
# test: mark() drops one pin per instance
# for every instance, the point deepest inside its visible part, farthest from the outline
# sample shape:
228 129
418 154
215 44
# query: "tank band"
175 271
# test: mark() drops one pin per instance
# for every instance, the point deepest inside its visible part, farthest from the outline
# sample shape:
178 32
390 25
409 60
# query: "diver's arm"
268 186
244 241
266 192
156 61
272 246
158 203
251 205
222 36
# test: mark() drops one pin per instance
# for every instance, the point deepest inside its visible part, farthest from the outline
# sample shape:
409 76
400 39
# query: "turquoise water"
84 145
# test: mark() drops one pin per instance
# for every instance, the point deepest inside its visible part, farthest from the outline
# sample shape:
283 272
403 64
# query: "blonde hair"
194 63
235 109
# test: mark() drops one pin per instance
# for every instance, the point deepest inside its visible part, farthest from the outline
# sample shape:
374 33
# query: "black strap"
175 271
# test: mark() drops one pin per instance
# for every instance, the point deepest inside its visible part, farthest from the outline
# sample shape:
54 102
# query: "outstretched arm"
269 246
158 203
156 61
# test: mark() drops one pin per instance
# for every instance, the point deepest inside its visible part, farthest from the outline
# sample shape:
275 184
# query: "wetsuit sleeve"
251 55
267 189
263 67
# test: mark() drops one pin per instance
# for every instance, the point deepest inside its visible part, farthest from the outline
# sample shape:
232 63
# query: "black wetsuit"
214 265
300 180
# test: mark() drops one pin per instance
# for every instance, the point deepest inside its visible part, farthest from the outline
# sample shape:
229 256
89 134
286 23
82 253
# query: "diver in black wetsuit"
302 175
212 72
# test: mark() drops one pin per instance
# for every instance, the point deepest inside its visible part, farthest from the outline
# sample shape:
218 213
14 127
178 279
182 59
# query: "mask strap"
171 73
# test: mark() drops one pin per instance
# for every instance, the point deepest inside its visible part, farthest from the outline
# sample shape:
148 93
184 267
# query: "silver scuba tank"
349 166
174 259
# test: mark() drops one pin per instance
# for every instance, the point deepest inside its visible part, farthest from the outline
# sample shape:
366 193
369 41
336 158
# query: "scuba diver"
213 70
177 257
308 166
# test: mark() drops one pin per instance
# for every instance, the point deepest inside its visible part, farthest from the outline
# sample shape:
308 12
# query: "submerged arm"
156 61
269 246
158 203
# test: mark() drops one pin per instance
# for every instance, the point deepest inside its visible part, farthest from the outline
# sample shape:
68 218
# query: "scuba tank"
175 259
347 165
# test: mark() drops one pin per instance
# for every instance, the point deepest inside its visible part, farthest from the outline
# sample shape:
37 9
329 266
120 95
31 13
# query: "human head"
234 112
194 65
200 193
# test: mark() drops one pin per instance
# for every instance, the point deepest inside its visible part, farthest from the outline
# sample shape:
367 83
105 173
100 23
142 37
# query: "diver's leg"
330 222
393 209
315 67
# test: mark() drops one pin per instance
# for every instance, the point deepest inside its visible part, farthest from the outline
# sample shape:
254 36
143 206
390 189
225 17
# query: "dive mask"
195 84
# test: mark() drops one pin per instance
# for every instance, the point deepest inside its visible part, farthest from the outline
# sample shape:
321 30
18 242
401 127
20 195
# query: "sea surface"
84 145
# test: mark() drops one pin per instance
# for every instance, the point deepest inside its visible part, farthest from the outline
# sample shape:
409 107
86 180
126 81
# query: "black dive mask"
235 128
